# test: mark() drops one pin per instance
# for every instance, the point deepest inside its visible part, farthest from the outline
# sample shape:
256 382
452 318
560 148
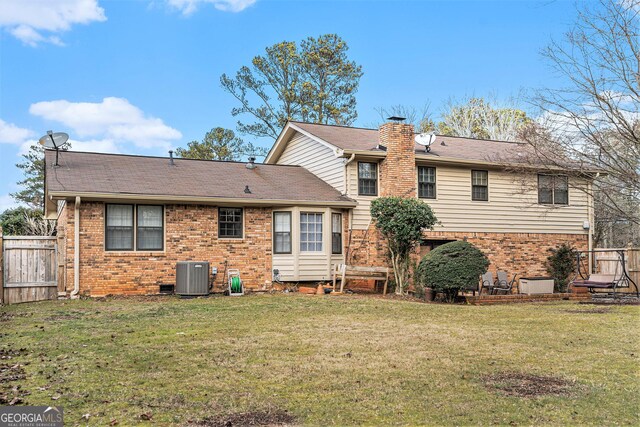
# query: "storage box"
536 285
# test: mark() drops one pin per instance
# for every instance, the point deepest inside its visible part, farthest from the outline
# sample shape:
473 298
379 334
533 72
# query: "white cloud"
12 134
95 145
38 21
187 7
7 202
114 121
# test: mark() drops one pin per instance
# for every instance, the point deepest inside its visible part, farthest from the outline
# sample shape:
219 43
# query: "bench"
598 281
345 272
611 267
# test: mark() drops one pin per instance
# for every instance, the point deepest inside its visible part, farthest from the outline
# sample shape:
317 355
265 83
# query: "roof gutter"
205 200
455 161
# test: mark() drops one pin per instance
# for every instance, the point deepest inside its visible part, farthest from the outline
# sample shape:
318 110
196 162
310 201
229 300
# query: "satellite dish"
426 139
54 141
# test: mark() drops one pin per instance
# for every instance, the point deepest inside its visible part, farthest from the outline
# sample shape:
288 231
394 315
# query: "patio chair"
503 284
487 283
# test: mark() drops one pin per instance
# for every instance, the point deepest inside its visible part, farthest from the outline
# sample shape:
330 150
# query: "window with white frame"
367 179
479 185
310 232
426 182
282 232
336 233
553 189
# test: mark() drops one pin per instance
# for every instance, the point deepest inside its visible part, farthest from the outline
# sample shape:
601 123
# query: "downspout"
346 186
591 225
346 177
76 249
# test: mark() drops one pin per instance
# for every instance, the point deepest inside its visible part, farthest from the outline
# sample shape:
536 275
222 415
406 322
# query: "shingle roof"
360 139
81 172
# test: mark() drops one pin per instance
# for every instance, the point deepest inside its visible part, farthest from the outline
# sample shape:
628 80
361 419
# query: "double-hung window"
310 232
553 189
121 235
426 182
282 232
230 223
119 228
336 233
479 185
367 179
149 233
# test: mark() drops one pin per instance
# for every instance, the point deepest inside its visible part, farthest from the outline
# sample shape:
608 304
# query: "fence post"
1 267
633 263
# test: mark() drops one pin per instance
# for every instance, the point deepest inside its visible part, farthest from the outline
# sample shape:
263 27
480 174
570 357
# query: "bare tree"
484 118
421 118
594 122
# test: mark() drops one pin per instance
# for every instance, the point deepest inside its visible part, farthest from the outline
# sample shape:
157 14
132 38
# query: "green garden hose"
235 285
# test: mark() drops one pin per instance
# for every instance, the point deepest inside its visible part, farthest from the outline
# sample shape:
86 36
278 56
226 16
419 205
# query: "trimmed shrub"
561 264
451 268
402 221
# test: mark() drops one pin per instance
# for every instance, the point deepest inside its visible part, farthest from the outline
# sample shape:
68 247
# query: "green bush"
561 264
14 221
402 221
451 268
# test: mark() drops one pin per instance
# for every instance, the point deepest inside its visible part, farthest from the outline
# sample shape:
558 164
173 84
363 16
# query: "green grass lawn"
324 360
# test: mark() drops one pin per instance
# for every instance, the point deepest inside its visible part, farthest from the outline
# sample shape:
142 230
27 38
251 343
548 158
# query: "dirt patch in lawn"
253 418
10 372
595 310
6 317
61 316
527 385
7 353
134 298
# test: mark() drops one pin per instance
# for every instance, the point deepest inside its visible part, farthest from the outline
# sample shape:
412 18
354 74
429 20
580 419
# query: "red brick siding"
521 253
398 169
191 235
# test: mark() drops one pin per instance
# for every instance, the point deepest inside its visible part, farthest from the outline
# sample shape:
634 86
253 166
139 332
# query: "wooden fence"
609 263
29 268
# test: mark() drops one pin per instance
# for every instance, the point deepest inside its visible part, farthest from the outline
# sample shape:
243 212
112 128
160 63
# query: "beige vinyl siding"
307 266
512 206
361 216
317 158
286 263
509 208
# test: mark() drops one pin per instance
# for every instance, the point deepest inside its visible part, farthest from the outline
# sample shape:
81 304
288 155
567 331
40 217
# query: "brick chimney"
398 169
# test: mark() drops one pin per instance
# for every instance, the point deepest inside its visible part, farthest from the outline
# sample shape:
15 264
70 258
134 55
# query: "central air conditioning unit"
192 278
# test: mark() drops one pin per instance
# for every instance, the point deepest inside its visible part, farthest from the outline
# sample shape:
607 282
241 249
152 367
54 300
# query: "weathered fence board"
29 267
29 294
609 263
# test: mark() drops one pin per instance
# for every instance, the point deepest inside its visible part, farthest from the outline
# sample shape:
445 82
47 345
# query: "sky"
142 76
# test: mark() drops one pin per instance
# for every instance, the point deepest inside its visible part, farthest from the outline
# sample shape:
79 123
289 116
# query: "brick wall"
521 253
398 169
191 235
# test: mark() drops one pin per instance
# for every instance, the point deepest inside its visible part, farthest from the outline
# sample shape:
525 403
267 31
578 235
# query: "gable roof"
351 139
117 176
